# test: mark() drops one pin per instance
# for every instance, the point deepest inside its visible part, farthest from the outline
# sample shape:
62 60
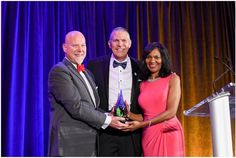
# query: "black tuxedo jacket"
100 70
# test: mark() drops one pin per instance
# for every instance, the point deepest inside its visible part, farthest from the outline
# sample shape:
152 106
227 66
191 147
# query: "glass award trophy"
120 107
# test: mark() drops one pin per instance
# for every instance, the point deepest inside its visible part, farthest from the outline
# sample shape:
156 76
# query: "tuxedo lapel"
135 79
106 66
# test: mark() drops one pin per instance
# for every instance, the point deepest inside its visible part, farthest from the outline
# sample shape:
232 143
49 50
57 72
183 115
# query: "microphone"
229 67
227 70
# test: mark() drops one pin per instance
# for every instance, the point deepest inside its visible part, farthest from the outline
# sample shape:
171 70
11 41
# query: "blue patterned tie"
123 65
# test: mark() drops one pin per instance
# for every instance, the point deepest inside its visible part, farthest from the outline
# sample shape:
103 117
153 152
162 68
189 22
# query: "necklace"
151 79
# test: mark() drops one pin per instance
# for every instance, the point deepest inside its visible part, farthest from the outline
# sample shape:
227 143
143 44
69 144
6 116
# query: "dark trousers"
112 142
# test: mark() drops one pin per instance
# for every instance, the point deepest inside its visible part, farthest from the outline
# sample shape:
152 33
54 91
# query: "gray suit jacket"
74 118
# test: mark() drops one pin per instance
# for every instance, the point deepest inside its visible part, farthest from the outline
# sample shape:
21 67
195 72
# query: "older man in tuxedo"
75 118
113 73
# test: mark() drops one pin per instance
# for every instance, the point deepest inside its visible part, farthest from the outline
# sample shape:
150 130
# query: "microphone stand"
214 82
228 69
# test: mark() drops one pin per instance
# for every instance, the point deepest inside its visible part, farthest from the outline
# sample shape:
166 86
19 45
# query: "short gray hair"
119 29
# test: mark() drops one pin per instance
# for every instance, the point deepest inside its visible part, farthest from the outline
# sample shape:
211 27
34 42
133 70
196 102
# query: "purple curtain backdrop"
32 34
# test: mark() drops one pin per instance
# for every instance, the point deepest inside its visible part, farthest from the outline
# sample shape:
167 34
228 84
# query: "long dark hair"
165 68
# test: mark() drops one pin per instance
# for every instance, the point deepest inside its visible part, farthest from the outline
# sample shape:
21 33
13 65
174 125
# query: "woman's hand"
132 126
133 116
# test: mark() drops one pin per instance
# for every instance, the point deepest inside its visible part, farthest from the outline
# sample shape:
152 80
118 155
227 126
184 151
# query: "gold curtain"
194 33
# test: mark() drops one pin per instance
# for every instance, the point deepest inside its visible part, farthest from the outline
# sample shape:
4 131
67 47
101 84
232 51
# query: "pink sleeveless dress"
165 138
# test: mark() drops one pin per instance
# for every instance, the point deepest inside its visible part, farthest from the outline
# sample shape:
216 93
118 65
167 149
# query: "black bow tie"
123 65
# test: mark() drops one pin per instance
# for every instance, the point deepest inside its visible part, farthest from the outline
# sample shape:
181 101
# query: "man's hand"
112 111
116 122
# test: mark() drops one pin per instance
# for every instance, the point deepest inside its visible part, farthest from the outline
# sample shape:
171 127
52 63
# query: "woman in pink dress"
159 99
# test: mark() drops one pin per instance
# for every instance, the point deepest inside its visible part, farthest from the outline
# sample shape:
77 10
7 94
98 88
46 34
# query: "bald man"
74 103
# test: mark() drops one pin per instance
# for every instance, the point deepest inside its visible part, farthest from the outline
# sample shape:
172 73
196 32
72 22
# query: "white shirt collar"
113 58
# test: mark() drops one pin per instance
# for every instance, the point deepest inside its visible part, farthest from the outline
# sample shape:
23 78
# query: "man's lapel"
74 71
93 85
106 69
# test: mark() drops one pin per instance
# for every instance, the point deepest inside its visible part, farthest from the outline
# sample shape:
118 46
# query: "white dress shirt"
119 79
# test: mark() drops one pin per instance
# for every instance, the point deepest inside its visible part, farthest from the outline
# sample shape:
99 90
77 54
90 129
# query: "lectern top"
202 108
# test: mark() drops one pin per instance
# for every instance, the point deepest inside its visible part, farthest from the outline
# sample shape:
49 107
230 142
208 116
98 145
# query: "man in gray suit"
74 99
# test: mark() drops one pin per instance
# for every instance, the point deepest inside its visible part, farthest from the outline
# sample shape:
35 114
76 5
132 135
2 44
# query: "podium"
220 107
